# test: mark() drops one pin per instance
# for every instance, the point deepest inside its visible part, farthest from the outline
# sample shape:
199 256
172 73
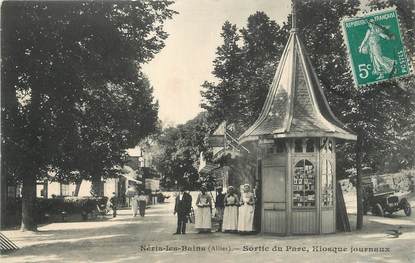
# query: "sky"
177 72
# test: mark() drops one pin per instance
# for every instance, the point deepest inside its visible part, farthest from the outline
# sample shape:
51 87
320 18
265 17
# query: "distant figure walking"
114 203
142 203
134 204
230 215
203 219
246 211
182 207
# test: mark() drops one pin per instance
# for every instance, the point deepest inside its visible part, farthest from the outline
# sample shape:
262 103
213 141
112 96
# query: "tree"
181 147
224 100
73 95
244 72
264 42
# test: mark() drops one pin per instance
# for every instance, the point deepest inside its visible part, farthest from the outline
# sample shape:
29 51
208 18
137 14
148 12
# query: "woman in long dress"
203 217
134 204
230 215
246 211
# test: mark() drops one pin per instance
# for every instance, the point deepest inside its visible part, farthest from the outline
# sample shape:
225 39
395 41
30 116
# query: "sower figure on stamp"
182 207
219 205
372 44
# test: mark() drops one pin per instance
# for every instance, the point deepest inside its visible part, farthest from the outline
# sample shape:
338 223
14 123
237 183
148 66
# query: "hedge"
48 209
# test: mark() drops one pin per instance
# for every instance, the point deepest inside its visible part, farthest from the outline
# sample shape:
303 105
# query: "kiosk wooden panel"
274 199
328 221
304 222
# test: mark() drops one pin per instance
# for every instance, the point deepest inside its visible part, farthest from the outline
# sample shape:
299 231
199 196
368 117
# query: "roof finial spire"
293 15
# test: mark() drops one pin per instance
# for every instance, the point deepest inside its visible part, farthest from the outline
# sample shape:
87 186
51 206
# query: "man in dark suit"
220 206
182 207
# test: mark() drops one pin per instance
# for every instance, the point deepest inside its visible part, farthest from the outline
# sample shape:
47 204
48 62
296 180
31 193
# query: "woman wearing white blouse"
203 217
230 215
246 211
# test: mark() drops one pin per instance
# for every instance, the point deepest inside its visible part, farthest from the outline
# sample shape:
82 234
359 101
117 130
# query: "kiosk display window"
304 194
326 183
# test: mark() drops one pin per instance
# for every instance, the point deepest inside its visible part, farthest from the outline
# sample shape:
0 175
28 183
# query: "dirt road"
150 239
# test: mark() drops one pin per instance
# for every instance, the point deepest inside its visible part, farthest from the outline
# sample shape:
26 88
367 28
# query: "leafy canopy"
73 95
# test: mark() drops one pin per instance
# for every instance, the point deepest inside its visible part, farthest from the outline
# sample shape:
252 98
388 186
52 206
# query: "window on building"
310 145
280 146
304 184
298 145
330 145
269 148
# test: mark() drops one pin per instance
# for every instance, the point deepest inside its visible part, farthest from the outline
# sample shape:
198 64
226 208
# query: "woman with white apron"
230 215
246 211
203 217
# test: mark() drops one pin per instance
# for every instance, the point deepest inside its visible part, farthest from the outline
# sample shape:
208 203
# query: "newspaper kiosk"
296 135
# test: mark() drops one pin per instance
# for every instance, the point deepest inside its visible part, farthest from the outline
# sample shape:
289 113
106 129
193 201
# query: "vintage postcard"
207 131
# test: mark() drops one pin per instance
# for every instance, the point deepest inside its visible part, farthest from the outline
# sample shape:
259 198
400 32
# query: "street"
150 239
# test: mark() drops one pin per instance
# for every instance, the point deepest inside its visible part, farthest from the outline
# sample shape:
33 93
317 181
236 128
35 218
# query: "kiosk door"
274 199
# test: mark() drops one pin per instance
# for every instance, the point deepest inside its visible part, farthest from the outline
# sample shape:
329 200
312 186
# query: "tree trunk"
359 192
97 187
77 187
3 199
28 203
30 172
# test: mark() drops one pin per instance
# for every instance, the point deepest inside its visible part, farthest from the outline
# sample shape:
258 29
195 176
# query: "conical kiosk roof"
295 105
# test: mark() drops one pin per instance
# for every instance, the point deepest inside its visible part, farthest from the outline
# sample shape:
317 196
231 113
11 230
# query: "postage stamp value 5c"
375 46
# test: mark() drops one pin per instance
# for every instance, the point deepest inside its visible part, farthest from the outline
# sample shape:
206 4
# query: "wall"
54 188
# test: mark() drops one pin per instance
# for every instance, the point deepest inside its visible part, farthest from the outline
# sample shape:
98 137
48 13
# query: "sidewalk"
128 239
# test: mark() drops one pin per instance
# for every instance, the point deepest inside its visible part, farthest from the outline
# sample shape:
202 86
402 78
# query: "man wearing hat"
182 207
220 206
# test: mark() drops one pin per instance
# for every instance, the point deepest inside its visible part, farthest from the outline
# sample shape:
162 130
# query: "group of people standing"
239 212
139 203
235 213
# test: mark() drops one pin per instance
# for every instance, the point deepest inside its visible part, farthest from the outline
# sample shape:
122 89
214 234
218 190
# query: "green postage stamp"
376 48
